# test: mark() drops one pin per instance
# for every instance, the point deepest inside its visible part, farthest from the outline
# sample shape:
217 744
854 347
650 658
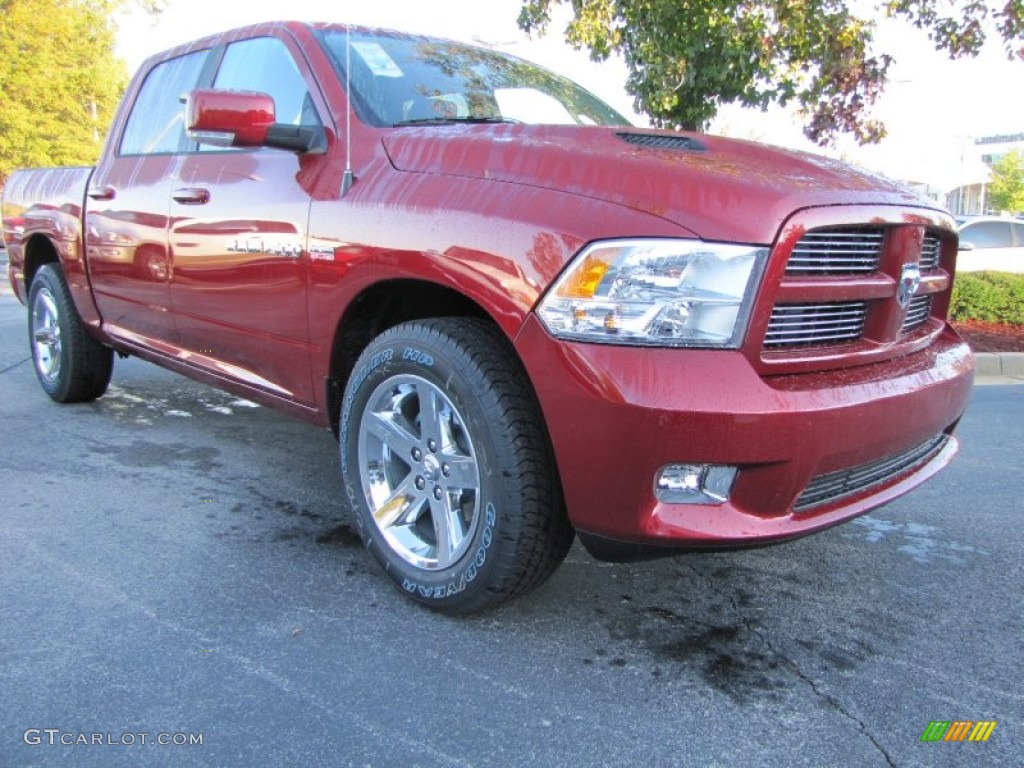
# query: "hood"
718 189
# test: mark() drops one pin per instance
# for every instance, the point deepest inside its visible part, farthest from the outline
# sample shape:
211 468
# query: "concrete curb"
998 368
1001 364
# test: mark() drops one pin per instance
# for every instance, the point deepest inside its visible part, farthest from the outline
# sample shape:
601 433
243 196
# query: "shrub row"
992 297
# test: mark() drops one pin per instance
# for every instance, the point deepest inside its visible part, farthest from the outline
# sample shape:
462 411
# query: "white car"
991 243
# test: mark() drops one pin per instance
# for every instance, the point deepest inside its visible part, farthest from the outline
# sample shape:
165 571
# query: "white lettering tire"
449 468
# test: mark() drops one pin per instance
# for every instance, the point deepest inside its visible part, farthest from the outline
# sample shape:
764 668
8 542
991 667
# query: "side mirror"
245 119
229 118
966 246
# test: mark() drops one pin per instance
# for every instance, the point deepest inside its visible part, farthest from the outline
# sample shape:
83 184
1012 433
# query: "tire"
71 365
449 468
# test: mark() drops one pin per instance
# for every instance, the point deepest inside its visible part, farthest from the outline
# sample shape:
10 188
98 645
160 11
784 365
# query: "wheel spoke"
398 504
45 335
448 529
462 472
430 418
392 434
50 307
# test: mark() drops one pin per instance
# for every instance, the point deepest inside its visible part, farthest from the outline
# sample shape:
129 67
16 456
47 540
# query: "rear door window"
156 124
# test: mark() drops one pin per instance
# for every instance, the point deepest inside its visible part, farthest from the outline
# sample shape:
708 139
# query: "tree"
60 81
688 57
1006 191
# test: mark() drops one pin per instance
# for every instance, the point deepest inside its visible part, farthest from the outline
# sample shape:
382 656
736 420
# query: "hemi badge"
321 253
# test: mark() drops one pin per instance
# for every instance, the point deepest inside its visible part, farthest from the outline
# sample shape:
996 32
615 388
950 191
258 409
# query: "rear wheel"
70 364
449 467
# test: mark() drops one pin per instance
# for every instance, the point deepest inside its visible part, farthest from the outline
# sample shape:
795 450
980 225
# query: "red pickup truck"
523 318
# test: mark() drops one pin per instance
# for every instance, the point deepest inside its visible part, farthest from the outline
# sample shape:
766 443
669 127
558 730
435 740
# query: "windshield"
404 80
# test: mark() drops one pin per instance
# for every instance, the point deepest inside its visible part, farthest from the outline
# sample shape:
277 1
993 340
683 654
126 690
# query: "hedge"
992 297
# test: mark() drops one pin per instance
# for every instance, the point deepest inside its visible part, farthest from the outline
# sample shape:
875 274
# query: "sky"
934 108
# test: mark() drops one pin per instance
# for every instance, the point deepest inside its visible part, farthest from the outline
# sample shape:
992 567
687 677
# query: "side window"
988 234
265 65
156 124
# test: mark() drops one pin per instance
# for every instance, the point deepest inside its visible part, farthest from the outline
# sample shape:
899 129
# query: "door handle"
102 193
191 196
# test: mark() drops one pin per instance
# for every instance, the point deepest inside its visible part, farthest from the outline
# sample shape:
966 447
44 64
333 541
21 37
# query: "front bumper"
617 415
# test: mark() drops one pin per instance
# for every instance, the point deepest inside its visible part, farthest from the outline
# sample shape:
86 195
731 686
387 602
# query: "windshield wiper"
450 120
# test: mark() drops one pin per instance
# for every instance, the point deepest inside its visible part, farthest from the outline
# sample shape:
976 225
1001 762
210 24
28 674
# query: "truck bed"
49 203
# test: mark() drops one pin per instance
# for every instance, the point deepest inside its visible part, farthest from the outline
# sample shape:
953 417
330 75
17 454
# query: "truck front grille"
840 251
833 486
836 299
802 324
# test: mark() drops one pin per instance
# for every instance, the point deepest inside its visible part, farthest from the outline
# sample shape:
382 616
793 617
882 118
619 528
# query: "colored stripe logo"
959 730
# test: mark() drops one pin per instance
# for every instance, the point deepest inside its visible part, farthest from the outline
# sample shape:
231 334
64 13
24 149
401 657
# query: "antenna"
347 179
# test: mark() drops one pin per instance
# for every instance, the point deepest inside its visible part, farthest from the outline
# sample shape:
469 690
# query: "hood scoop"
661 141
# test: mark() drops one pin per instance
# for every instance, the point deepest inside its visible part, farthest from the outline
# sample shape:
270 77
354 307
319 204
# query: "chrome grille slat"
837 485
918 312
854 250
837 259
930 251
818 337
797 324
815 315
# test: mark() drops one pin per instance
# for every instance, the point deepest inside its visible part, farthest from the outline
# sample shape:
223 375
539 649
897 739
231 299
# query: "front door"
239 220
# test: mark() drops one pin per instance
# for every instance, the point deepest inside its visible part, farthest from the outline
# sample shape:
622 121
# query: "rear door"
239 220
127 214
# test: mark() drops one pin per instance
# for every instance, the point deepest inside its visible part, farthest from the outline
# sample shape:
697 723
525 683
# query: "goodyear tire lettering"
459 584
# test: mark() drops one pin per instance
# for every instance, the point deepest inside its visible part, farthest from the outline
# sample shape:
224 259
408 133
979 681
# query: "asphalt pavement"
177 563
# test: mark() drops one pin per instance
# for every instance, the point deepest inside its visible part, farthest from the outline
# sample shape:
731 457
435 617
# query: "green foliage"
1006 192
60 81
991 297
958 27
686 58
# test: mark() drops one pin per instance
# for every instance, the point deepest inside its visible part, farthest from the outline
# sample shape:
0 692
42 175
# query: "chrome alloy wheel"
419 472
45 321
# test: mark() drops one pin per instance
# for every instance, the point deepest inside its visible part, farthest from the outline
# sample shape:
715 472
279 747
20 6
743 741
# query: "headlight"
678 293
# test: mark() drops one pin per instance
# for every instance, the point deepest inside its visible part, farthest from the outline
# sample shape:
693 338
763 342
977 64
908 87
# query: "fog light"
694 483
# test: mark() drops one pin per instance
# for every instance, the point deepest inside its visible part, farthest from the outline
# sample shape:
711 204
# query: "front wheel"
71 365
449 467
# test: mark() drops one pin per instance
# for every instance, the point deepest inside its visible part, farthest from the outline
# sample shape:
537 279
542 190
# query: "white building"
969 196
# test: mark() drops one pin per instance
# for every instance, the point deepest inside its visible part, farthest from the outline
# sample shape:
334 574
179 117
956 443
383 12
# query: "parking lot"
176 561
